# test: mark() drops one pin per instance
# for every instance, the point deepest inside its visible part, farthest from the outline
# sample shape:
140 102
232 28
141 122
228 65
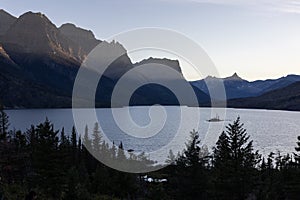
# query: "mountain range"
236 87
277 94
286 98
39 63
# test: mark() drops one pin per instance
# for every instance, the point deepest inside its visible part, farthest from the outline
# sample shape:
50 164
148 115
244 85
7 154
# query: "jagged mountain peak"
4 13
30 24
69 27
35 17
114 46
31 32
174 64
85 38
235 76
117 44
209 77
34 33
34 13
6 20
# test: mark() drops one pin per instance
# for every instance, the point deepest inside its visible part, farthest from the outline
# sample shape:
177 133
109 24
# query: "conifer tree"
190 176
86 139
121 155
171 160
235 162
297 155
63 139
4 124
221 151
46 160
97 140
74 138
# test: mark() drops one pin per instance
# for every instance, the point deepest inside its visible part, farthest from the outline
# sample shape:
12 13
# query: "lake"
270 130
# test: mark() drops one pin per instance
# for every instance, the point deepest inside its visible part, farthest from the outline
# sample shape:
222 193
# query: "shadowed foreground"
50 164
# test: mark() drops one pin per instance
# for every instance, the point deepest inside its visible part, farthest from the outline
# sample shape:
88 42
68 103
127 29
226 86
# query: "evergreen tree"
121 155
190 175
46 160
221 151
79 149
190 156
113 151
297 154
74 150
41 160
74 138
121 146
64 143
79 143
86 148
263 165
4 124
86 139
235 162
171 160
97 140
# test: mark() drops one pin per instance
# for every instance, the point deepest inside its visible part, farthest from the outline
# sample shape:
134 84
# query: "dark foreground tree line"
43 163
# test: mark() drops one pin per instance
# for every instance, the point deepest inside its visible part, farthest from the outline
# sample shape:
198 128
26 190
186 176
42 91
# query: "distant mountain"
273 84
39 63
237 87
286 98
151 91
174 64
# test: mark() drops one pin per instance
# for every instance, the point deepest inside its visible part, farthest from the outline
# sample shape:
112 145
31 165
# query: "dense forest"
44 163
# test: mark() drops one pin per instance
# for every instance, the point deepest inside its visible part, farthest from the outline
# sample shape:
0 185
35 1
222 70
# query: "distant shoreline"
230 107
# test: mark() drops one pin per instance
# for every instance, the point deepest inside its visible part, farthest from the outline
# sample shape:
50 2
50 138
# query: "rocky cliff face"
3 54
174 64
40 63
6 20
34 33
84 38
5 58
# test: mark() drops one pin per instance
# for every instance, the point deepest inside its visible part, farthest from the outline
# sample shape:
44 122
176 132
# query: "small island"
215 119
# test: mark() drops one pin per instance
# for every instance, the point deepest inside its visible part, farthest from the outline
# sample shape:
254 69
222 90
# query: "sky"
258 39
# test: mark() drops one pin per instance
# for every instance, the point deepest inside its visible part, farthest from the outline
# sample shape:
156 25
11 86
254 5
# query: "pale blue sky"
258 39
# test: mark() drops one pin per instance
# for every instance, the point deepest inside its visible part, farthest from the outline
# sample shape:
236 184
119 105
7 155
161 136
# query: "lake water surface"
270 130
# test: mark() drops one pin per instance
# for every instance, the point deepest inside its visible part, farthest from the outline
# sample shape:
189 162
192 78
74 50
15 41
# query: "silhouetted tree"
4 124
191 172
46 160
97 139
235 162
171 160
297 154
39 160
